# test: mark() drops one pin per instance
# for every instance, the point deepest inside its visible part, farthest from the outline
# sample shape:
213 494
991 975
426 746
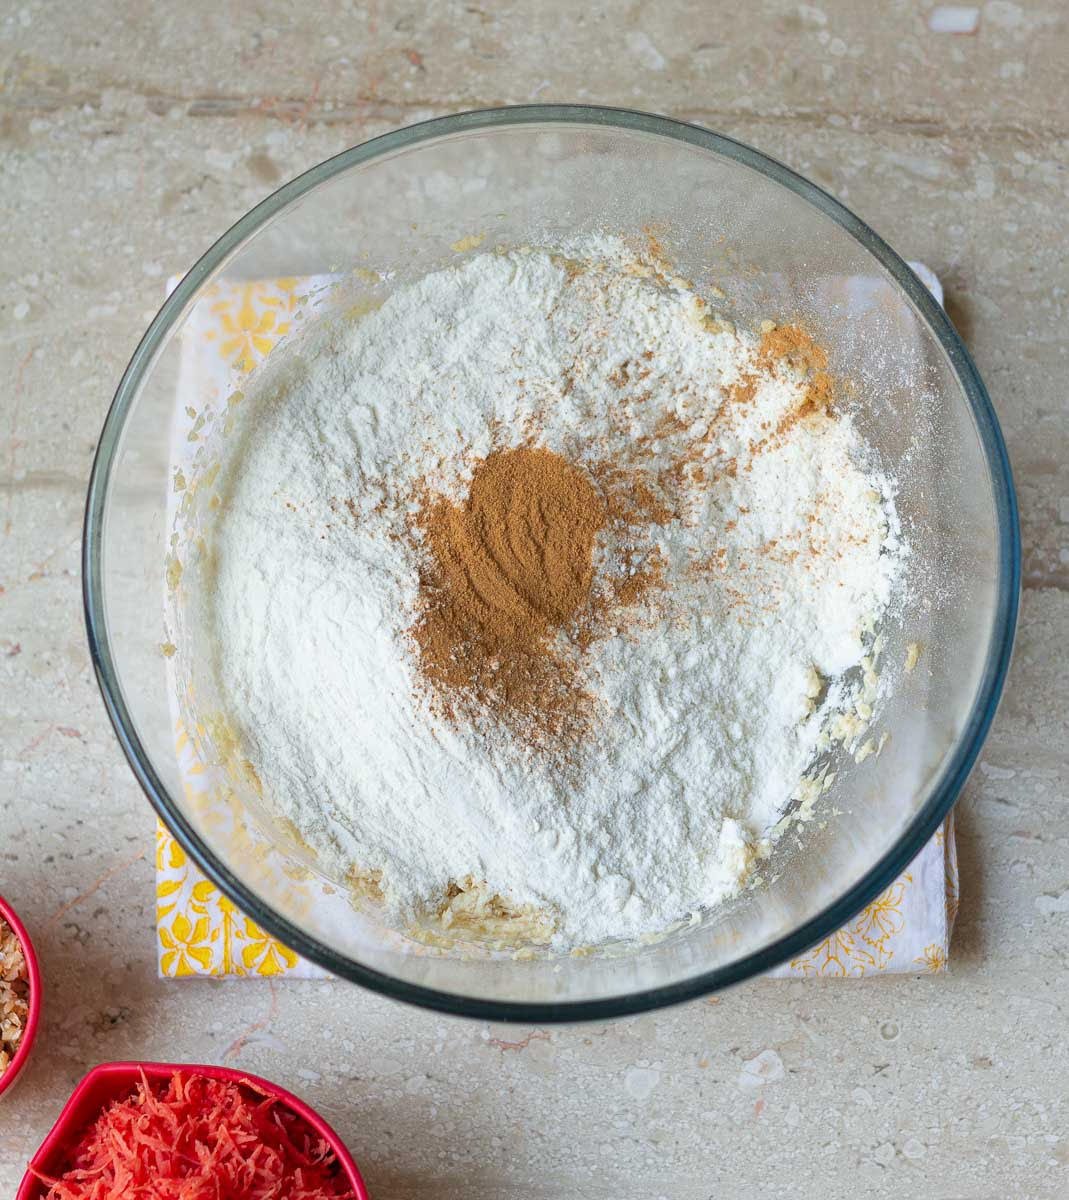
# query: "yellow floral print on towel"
907 928
249 320
201 933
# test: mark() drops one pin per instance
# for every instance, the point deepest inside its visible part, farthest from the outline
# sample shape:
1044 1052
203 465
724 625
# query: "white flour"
708 714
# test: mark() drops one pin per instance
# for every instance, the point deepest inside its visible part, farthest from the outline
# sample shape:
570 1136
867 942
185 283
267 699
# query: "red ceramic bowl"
8 1077
113 1081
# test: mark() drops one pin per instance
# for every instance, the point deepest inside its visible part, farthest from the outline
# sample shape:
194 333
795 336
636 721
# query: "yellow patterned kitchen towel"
200 932
905 929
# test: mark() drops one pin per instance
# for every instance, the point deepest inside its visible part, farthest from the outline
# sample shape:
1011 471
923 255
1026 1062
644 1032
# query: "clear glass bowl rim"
835 915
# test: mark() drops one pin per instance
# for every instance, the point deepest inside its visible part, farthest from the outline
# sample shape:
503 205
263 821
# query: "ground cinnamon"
793 345
509 601
506 571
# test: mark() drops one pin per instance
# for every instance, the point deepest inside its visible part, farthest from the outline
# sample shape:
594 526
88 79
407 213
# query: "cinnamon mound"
506 572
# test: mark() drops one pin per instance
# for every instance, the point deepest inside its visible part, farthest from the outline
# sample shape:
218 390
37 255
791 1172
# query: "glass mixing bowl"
777 248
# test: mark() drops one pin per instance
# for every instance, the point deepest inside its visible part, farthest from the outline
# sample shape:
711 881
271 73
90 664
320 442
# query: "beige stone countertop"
131 136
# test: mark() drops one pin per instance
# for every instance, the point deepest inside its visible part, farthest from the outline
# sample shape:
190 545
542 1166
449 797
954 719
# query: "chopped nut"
14 994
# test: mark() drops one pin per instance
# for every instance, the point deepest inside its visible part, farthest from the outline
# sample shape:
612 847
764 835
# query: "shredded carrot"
195 1138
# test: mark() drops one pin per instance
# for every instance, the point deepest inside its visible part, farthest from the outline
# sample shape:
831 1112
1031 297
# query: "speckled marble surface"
133 135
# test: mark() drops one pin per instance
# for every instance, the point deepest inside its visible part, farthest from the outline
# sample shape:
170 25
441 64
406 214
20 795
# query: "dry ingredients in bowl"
539 590
14 994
